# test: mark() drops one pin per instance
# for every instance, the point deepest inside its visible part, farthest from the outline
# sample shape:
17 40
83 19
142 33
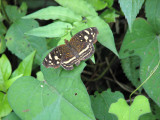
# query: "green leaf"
131 68
25 44
153 14
105 36
101 103
131 9
98 4
5 71
78 26
62 96
109 15
2 44
40 76
14 13
56 29
54 12
110 3
5 108
25 67
3 29
11 116
123 111
144 42
78 6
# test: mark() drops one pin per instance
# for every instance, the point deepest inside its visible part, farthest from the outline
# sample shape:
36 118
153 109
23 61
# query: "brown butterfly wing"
69 58
83 42
53 59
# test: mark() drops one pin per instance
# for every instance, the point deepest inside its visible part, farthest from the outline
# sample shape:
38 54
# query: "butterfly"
79 48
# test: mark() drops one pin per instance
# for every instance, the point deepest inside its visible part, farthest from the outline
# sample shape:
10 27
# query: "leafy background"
127 52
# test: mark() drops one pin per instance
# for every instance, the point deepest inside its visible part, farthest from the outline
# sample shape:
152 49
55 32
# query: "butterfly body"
79 48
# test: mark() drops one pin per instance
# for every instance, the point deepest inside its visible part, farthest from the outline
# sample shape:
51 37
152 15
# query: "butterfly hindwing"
69 58
53 59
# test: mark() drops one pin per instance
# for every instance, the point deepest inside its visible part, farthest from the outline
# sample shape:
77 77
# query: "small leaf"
78 6
25 44
5 71
131 9
12 80
40 76
105 36
5 108
56 29
109 16
54 12
3 28
78 26
25 67
11 116
152 9
2 44
14 13
101 103
123 111
98 4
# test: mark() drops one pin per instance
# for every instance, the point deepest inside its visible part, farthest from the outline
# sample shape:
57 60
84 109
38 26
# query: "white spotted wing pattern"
79 48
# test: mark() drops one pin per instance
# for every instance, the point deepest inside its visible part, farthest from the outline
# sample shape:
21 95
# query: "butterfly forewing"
83 42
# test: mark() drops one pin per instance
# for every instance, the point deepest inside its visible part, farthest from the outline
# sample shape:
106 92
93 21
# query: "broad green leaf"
25 67
55 12
131 68
153 13
56 29
5 108
130 9
123 111
62 96
2 44
145 43
101 103
40 76
98 4
105 36
5 71
109 16
22 45
78 6
11 116
14 13
3 29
